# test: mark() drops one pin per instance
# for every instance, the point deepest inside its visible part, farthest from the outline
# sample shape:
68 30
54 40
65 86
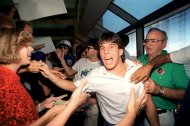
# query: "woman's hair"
113 38
93 42
11 40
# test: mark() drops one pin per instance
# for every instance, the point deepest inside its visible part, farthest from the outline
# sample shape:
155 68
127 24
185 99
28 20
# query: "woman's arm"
78 97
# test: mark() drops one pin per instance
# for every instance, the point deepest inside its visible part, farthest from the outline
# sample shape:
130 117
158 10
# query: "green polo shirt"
169 75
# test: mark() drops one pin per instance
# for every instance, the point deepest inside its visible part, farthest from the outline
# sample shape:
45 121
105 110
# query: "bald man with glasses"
167 83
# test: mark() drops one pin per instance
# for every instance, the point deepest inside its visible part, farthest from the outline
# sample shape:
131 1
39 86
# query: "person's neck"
13 67
120 69
151 56
94 59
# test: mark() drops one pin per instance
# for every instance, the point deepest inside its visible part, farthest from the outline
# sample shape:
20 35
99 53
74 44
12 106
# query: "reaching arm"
69 71
78 97
142 74
170 93
49 115
151 112
134 106
57 79
33 67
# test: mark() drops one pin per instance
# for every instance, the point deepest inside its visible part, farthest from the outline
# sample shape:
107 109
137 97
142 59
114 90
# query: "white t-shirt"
83 67
112 91
181 56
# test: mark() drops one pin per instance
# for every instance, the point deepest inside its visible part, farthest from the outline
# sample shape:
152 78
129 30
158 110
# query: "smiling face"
24 54
110 55
155 43
15 47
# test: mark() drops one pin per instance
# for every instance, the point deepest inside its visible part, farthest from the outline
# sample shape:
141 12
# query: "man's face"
110 55
65 49
28 29
154 43
91 52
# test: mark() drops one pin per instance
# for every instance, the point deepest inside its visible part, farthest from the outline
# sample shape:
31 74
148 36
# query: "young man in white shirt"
110 82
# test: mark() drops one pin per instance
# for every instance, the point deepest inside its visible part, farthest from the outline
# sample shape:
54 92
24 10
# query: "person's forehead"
155 34
107 43
89 46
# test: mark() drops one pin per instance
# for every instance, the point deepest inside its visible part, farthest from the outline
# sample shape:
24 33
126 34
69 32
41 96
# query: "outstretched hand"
134 106
78 97
49 102
137 103
34 66
141 74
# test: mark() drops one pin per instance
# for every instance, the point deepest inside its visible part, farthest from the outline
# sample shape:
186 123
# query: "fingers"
142 99
145 99
144 95
60 97
54 99
135 77
137 80
83 83
133 93
132 96
145 79
59 74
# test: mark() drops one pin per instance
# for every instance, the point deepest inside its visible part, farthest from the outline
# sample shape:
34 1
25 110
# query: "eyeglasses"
153 41
64 47
88 48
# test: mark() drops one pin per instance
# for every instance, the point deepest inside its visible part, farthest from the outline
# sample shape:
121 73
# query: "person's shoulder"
82 60
98 70
132 64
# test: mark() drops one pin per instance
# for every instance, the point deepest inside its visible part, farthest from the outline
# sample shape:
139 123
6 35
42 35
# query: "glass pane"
112 22
131 47
177 28
145 7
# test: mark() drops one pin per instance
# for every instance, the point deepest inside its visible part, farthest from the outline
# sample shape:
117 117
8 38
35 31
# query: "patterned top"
16 106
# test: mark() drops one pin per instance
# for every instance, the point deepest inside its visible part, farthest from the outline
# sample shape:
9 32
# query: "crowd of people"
97 80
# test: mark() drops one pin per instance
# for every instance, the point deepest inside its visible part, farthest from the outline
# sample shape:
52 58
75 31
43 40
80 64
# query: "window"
177 28
141 8
132 47
113 22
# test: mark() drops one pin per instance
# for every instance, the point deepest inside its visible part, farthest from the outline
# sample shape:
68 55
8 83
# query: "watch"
162 91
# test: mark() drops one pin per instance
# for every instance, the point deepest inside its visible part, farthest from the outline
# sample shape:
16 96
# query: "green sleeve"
181 79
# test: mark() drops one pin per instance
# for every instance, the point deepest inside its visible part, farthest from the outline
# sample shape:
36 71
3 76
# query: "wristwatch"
162 91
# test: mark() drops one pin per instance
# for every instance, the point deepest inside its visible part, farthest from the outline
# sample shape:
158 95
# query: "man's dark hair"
93 42
113 38
124 39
